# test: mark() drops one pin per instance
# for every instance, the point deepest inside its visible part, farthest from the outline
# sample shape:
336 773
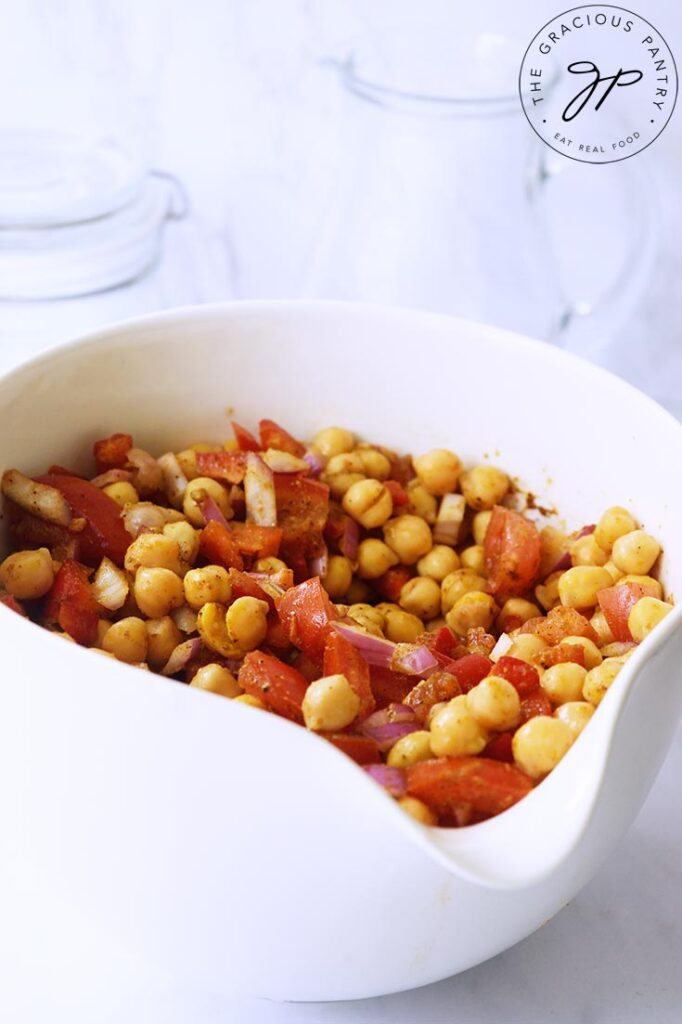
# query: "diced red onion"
413 660
259 492
110 585
449 519
181 655
283 462
586 531
185 618
618 648
210 511
565 562
149 476
174 478
350 539
503 644
315 461
387 726
143 515
319 565
392 779
374 649
112 476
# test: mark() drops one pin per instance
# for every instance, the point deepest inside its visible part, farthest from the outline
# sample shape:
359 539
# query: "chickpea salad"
400 607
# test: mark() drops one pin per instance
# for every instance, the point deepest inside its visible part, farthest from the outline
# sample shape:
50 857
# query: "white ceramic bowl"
235 849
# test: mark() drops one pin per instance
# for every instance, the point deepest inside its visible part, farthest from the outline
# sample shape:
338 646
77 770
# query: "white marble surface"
234 97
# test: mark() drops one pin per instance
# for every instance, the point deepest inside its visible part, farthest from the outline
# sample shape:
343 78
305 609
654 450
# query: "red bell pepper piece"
305 612
245 439
274 436
342 658
259 541
71 603
523 677
279 686
228 466
104 533
487 786
361 749
302 510
219 546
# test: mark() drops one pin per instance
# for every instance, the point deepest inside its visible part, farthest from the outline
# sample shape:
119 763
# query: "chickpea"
374 463
495 704
614 572
579 586
599 679
473 558
423 503
193 494
553 546
484 487
592 653
369 502
253 702
188 462
330 703
456 584
455 732
438 470
154 551
527 647
246 621
438 562
586 551
212 583
421 596
635 552
345 463
563 682
402 627
547 593
163 636
435 624
601 628
371 619
645 615
474 609
122 492
269 565
410 749
540 743
127 640
157 592
479 526
333 441
212 626
418 810
576 714
338 577
374 558
187 540
645 581
27 574
514 612
409 536
615 522
216 679
342 483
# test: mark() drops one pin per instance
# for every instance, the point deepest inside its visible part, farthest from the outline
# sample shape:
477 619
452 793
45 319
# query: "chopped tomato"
392 582
441 642
536 703
512 553
276 635
500 748
306 612
438 687
274 436
389 687
362 749
11 602
111 452
259 541
244 585
397 492
245 439
302 509
71 603
219 546
523 677
279 686
617 603
562 653
342 658
562 622
104 533
229 466
487 786
469 670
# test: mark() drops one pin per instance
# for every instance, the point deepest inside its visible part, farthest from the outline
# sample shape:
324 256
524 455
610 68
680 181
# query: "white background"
235 98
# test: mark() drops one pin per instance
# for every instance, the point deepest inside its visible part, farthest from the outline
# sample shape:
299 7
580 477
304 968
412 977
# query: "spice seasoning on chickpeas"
394 606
